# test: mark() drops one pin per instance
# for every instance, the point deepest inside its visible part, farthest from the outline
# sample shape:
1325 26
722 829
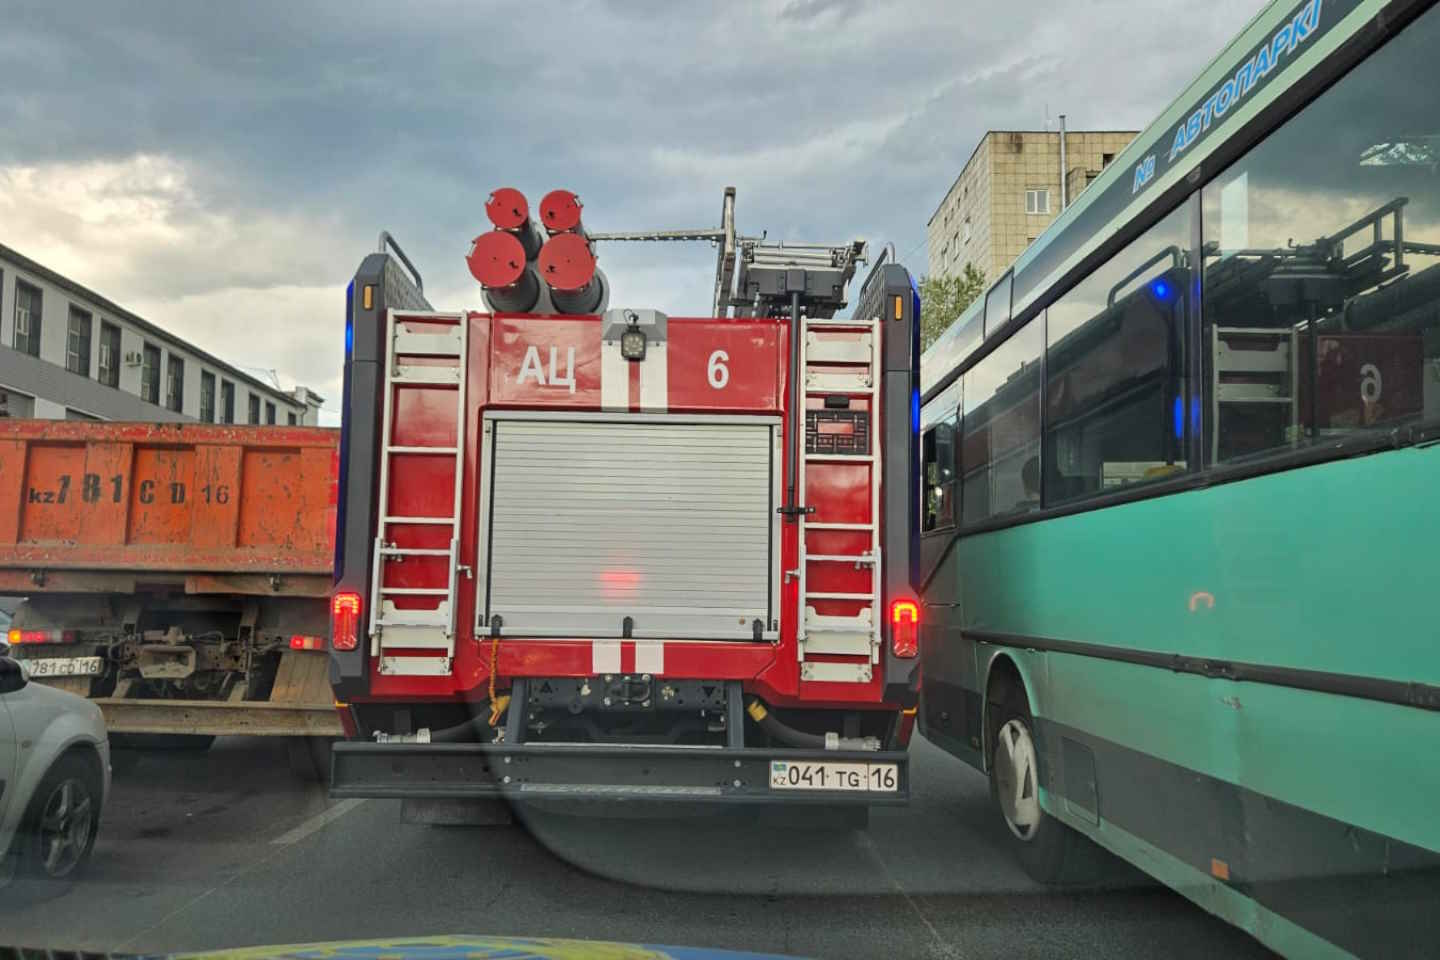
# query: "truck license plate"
65 667
806 775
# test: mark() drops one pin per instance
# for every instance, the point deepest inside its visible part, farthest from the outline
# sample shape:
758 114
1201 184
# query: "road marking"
947 949
316 822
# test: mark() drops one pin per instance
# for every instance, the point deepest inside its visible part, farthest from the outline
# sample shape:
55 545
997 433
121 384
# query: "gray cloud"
302 130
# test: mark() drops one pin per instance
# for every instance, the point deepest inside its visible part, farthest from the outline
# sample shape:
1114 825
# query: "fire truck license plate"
874 777
65 667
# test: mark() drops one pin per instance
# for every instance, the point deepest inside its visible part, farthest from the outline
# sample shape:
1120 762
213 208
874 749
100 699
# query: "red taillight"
905 628
17 637
344 621
302 642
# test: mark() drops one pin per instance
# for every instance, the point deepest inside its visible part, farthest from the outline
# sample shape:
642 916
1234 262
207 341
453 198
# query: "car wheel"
58 833
1050 851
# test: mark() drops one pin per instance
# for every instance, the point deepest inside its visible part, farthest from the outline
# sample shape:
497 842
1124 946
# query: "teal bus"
1179 554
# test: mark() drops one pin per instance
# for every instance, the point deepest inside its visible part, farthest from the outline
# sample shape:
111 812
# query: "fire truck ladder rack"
422 636
836 365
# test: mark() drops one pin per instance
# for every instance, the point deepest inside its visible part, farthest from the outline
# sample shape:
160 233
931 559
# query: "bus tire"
1047 849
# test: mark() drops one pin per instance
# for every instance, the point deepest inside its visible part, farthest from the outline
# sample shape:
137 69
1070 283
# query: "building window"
227 402
967 230
207 396
174 383
77 342
28 302
17 405
290 419
270 413
1116 370
254 409
1106 159
150 374
1321 247
1000 429
1037 201
109 372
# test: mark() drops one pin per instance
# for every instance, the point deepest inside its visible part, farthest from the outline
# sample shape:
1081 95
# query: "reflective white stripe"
650 657
605 656
614 377
655 380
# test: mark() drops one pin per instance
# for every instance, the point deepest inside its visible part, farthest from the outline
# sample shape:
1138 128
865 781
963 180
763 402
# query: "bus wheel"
1048 849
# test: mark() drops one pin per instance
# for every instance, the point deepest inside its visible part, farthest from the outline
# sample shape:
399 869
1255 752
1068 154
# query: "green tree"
942 299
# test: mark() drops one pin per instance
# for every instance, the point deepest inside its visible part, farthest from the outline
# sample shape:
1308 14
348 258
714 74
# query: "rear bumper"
584 772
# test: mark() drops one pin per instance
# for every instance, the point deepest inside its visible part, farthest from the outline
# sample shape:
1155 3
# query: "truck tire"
309 758
57 836
1050 851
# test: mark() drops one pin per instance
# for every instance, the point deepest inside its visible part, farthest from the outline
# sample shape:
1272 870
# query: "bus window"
938 447
1322 266
1115 369
1000 430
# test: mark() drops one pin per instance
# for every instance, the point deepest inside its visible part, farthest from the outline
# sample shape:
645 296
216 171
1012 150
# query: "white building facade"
66 352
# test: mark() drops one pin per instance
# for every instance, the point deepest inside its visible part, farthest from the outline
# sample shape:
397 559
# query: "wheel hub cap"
1015 779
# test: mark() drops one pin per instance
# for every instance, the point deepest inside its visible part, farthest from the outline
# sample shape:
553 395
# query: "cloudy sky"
222 168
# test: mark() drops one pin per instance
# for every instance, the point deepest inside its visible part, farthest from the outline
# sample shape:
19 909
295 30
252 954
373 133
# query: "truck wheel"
58 832
309 758
1047 849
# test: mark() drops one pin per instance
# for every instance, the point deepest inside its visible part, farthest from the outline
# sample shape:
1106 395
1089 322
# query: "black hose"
783 732
467 732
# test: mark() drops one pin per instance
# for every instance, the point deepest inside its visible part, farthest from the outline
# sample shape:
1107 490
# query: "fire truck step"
839 458
426 377
427 344
412 552
450 450
828 557
855 351
811 525
835 642
827 382
824 595
447 521
823 622
825 672
839 324
415 666
416 591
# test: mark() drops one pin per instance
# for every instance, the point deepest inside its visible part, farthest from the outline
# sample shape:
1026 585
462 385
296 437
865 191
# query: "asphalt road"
223 848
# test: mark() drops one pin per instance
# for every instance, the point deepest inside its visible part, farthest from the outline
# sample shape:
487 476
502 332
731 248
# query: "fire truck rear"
588 551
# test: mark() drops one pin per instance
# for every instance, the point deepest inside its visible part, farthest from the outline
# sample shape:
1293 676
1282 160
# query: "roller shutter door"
666 521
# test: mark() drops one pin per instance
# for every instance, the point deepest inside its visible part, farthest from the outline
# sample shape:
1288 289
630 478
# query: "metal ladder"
430 630
857 637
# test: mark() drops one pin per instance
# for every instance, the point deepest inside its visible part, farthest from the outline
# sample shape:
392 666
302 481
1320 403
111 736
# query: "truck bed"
133 498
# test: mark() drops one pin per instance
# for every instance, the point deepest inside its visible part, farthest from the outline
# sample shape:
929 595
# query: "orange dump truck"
177 574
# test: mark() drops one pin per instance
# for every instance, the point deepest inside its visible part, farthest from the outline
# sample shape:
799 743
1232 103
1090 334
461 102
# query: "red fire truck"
587 551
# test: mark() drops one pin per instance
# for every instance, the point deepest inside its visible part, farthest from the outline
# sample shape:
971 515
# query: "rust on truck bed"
195 499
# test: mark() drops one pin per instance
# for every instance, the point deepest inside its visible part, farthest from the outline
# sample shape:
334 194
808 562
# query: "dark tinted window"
28 303
1000 445
269 413
175 383
997 306
1115 367
938 461
207 396
254 409
227 402
77 342
1322 265
150 374
109 368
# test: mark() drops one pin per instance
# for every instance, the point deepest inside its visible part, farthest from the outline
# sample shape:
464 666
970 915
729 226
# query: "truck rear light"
17 637
302 642
905 628
344 621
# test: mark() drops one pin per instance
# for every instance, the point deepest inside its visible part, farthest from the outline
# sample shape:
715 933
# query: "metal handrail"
388 241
